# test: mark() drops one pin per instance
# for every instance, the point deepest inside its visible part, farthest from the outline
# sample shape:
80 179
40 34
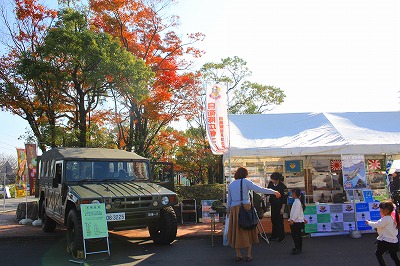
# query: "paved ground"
193 246
11 228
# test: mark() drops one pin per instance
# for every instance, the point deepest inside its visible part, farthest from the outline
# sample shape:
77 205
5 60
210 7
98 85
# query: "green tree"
245 97
145 30
195 158
75 69
23 97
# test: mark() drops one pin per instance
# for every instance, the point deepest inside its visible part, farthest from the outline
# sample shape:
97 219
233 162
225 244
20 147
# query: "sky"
326 55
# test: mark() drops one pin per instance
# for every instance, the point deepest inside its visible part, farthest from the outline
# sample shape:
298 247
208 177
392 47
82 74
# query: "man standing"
394 187
277 207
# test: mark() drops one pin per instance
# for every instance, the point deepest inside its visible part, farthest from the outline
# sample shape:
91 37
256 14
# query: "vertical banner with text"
30 150
216 112
20 180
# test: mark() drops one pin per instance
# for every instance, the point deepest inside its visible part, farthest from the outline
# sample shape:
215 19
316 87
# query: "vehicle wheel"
74 234
48 224
165 231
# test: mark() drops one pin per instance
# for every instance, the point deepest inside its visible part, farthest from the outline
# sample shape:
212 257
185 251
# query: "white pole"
4 191
26 189
229 139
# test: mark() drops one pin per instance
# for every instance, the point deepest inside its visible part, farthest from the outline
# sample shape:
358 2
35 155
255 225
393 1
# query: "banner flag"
216 112
20 180
30 150
336 165
294 166
376 165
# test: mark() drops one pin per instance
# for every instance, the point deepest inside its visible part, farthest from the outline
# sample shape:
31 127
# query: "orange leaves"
146 30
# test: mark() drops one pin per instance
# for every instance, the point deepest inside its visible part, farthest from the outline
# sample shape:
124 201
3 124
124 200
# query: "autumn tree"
68 76
93 63
22 34
167 144
196 160
143 30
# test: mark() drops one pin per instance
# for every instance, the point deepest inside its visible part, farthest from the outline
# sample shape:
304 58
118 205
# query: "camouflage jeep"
69 177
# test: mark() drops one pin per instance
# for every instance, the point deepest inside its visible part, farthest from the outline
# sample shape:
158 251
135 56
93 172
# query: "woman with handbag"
238 194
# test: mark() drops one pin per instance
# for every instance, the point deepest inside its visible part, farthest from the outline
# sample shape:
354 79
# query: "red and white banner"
217 118
31 156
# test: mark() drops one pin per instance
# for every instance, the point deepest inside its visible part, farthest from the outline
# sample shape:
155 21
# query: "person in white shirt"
296 220
240 238
387 229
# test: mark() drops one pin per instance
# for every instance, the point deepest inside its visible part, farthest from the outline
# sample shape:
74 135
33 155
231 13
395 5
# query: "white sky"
326 55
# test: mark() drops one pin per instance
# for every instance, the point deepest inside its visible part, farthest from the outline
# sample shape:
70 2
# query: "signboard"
205 211
94 223
354 174
323 218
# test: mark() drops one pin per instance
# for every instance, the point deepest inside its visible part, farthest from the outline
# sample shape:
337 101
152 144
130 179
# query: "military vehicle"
123 181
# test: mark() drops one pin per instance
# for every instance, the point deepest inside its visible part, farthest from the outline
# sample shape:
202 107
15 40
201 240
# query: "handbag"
248 219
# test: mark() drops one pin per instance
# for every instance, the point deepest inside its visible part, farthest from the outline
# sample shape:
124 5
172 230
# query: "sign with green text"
94 223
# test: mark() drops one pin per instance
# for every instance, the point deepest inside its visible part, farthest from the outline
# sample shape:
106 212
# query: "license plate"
152 214
118 216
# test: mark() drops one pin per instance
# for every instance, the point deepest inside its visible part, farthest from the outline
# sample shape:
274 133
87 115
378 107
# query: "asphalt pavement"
193 246
11 204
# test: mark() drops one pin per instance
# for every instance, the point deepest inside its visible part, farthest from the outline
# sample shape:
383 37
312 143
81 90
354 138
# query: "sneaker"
296 251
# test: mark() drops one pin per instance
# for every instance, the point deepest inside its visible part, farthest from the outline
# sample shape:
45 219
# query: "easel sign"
94 223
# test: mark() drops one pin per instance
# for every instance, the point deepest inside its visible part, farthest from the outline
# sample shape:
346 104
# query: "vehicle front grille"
133 202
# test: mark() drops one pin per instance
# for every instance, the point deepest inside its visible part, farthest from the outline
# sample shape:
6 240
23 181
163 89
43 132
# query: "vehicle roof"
89 153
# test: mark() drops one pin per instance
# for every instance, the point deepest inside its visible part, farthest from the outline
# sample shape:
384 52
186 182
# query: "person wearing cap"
395 186
277 207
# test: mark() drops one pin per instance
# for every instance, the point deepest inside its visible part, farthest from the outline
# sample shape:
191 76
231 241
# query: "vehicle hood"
121 189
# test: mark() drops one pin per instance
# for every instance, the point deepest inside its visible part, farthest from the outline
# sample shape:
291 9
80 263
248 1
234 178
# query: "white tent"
302 134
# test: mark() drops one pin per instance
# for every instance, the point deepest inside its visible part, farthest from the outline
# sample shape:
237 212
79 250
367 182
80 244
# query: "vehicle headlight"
165 200
155 203
108 206
95 201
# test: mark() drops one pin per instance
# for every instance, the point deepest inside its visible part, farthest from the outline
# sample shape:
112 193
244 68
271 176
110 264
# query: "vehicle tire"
165 231
74 234
48 224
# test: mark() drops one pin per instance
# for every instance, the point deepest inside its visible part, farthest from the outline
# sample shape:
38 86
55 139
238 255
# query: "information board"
205 211
94 223
340 217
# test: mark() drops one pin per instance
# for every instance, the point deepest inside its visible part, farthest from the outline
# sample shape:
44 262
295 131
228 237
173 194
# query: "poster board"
354 174
205 211
329 218
94 223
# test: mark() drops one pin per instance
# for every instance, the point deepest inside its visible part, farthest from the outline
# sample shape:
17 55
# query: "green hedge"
201 192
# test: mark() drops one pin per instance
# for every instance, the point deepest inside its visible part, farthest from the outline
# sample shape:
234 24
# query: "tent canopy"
300 134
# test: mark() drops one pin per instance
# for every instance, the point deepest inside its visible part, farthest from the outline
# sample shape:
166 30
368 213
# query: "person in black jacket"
277 207
394 187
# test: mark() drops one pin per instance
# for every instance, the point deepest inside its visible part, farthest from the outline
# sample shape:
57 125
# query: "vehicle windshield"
106 171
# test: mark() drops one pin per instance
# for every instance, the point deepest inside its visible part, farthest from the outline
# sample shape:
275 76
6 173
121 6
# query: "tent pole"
306 185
